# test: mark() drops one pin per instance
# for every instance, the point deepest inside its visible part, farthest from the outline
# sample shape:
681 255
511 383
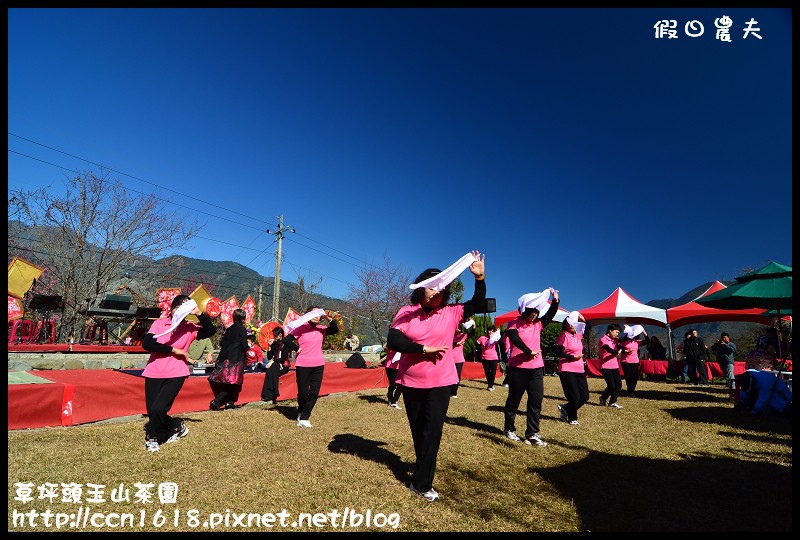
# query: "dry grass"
677 458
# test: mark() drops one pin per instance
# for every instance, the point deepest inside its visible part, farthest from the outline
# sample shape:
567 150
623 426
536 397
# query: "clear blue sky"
570 145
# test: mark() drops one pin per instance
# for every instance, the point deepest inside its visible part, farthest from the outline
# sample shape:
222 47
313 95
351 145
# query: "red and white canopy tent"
622 307
694 313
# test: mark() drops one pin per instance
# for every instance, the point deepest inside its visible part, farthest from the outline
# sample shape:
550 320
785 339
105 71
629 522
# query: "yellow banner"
21 275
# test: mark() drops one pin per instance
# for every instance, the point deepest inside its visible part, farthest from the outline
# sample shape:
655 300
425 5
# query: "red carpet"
90 395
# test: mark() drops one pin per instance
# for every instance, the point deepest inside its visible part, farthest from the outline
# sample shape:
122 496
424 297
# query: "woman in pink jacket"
609 366
632 339
525 372
423 333
572 367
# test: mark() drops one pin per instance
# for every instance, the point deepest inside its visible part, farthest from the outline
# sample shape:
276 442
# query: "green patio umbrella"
769 288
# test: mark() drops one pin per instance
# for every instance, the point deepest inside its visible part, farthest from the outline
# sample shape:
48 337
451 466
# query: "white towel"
574 319
494 337
297 323
177 317
633 331
469 324
394 359
535 300
446 276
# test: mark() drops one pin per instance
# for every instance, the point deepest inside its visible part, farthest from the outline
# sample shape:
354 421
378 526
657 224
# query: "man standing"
725 349
696 354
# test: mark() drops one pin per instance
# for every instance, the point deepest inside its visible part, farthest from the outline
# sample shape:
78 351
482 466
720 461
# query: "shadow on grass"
727 416
373 399
354 445
697 493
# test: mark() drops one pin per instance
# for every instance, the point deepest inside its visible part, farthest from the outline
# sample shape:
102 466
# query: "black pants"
393 392
490 370
269 390
697 370
454 388
524 381
309 381
576 390
225 393
159 395
613 385
631 371
426 409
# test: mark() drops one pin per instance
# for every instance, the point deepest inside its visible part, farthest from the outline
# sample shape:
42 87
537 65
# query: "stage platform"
49 398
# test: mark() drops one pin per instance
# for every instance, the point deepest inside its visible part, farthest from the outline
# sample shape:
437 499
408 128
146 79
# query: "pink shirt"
458 350
167 365
488 352
309 338
572 345
608 360
435 329
630 357
530 334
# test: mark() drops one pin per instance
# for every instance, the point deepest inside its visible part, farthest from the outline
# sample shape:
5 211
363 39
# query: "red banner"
164 298
227 311
15 310
249 307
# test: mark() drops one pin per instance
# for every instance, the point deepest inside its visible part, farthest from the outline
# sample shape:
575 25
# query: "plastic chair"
20 331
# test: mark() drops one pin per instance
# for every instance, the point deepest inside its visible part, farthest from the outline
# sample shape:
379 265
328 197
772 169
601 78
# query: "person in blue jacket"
763 392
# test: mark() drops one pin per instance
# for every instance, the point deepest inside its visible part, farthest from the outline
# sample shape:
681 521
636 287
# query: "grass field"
676 458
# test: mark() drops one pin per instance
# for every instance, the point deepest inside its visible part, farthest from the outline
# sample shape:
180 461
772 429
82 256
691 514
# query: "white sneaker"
429 495
574 423
395 406
304 423
453 397
615 406
505 385
535 440
491 389
512 435
151 445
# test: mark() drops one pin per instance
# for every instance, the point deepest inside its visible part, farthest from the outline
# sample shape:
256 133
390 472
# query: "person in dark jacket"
725 349
228 375
696 354
278 356
656 350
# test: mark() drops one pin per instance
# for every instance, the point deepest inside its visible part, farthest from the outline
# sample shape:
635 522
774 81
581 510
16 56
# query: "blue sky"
571 146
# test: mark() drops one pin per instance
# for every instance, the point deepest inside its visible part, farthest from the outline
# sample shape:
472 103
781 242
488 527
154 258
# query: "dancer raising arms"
423 333
525 371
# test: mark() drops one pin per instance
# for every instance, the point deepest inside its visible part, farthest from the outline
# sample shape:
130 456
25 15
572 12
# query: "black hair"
724 334
239 315
419 293
613 326
688 334
492 328
277 330
178 300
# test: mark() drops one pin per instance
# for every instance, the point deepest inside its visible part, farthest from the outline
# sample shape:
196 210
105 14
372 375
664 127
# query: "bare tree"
90 235
379 294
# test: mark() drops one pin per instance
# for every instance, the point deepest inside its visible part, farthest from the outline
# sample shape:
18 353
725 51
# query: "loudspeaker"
491 305
356 361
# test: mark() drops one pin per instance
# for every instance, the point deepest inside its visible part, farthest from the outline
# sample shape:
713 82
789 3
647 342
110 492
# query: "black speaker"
491 305
356 361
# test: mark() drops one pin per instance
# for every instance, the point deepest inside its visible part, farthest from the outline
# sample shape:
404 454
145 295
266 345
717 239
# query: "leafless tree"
90 235
379 293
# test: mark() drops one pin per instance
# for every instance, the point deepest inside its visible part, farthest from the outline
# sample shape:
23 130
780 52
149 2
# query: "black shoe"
213 406
229 405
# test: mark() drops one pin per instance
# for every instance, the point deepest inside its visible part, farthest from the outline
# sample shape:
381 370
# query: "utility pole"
276 296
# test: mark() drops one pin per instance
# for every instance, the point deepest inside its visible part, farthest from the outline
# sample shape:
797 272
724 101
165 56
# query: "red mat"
90 395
